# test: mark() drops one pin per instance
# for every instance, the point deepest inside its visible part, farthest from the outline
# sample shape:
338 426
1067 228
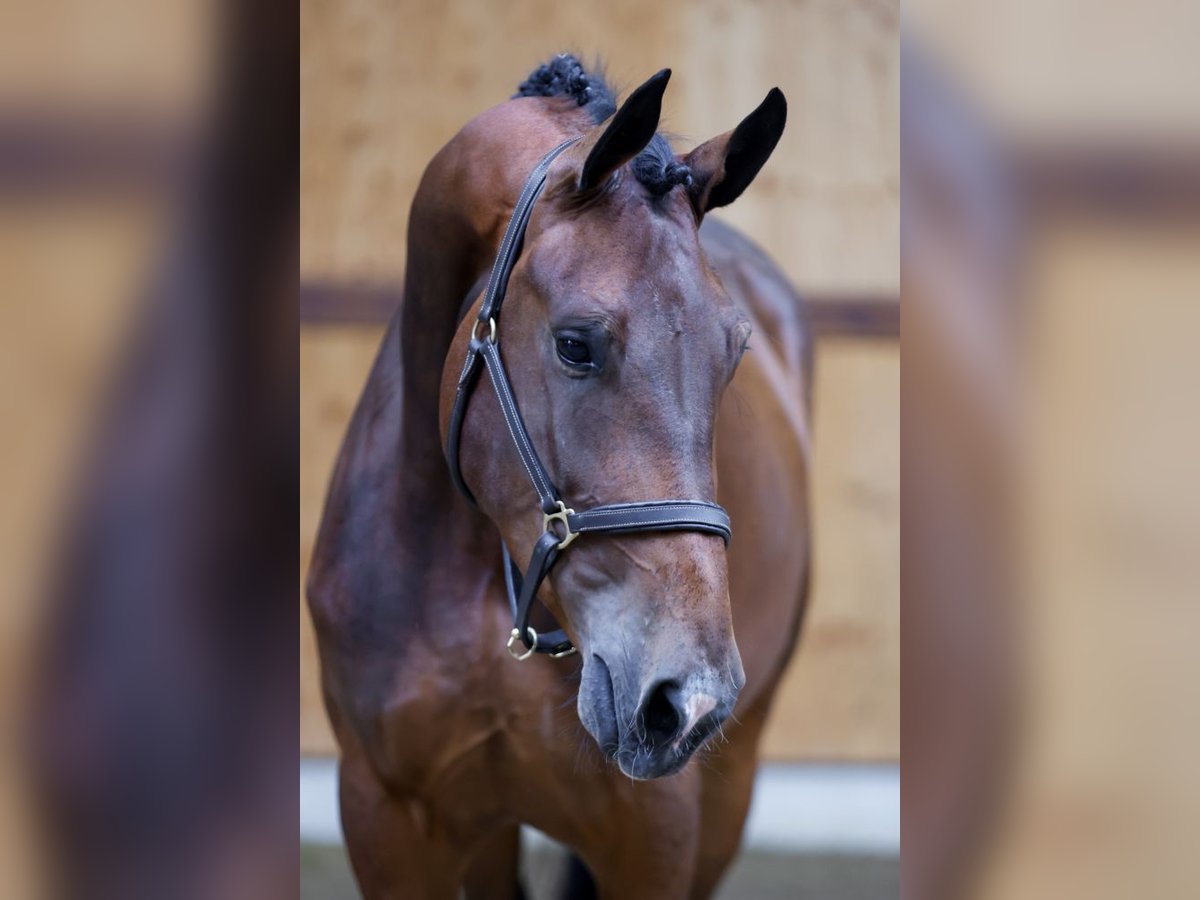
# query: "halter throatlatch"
561 525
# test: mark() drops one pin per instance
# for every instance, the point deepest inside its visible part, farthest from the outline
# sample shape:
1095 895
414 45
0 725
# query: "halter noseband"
653 515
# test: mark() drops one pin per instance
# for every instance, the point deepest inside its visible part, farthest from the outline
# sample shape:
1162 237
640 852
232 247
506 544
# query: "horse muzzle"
653 732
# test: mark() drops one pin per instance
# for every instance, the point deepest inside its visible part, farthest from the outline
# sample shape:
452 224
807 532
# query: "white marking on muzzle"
697 707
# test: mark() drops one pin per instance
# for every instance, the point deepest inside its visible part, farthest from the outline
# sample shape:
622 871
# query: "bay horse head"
619 342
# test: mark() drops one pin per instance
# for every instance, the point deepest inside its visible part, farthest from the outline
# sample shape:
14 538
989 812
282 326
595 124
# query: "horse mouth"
603 718
645 762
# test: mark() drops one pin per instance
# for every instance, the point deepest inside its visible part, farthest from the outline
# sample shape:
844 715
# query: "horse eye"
574 352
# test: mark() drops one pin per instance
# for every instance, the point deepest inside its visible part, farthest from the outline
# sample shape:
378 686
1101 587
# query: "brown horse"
623 333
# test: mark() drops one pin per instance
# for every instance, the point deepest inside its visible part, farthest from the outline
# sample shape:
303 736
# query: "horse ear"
627 134
724 167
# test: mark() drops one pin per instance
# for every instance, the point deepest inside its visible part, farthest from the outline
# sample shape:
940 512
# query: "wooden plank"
840 699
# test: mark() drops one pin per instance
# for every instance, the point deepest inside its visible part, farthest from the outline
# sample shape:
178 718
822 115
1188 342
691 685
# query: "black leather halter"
654 515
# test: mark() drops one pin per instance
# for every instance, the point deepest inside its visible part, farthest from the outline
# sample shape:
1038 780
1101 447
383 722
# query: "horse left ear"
724 167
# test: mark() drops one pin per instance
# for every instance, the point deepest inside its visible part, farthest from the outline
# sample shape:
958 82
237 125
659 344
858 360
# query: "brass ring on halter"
516 636
561 516
491 324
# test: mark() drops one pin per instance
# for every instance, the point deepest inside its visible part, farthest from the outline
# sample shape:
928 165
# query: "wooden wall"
386 82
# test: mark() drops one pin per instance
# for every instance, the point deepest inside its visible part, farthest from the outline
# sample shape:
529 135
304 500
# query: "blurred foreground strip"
1051 514
148 227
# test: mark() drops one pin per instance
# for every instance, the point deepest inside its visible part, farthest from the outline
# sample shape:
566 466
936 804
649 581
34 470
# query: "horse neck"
392 516
454 233
443 264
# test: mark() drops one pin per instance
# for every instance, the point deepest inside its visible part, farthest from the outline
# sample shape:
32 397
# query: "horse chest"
452 725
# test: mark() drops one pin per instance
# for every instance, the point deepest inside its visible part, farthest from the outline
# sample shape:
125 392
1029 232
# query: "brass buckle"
491 336
516 636
560 516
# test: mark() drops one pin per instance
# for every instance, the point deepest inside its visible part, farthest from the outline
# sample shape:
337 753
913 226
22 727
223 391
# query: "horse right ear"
627 134
724 167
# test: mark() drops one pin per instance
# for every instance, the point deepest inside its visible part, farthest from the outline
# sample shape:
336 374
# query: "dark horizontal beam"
858 315
43 153
333 303
1158 182
54 150
833 315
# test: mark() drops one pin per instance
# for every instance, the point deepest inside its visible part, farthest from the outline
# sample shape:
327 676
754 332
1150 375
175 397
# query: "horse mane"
656 167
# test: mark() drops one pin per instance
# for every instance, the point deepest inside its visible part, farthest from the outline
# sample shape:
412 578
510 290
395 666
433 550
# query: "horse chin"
642 764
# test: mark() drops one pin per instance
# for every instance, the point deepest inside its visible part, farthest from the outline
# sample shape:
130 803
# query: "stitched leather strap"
522 591
510 244
656 515
489 309
466 382
547 495
691 515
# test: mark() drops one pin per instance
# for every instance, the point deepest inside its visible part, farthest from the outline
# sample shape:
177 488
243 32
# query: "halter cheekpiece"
561 525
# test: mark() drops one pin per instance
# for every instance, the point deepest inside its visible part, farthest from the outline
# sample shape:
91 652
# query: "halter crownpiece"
561 525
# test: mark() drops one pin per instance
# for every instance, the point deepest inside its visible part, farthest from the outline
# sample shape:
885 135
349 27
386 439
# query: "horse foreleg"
647 851
394 848
493 871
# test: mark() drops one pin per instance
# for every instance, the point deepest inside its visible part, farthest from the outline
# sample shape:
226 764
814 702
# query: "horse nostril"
662 712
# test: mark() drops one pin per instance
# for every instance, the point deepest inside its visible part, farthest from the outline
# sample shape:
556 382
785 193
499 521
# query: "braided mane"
656 167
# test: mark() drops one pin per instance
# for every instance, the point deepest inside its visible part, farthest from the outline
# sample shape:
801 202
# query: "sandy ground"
325 875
